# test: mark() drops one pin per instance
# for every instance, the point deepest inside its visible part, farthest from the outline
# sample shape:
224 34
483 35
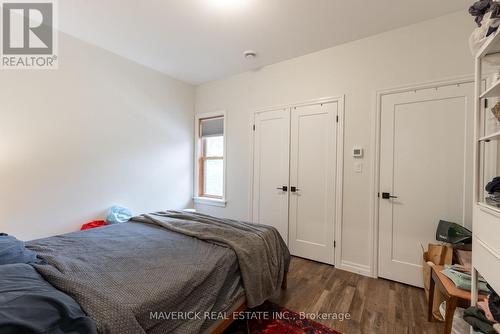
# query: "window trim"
198 198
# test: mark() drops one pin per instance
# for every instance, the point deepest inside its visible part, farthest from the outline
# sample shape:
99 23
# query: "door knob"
283 188
294 189
388 196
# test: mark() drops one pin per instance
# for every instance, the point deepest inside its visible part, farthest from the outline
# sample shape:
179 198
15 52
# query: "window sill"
210 201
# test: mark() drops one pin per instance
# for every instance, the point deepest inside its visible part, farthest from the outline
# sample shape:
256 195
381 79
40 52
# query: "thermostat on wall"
357 152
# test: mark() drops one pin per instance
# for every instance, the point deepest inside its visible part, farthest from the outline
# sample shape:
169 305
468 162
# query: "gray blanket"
262 254
124 275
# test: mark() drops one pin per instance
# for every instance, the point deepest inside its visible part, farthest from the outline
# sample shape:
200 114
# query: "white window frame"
197 153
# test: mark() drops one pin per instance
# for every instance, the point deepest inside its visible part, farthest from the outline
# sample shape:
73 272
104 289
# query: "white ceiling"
202 40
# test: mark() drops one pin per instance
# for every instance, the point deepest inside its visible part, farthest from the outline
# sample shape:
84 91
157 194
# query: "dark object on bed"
129 276
93 224
28 304
13 251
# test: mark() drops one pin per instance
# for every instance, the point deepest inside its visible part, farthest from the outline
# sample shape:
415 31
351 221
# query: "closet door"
312 181
271 169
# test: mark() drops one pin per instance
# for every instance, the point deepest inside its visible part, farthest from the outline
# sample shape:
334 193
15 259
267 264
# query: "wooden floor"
375 305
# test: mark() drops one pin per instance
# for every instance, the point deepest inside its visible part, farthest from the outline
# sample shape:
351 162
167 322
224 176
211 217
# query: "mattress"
140 278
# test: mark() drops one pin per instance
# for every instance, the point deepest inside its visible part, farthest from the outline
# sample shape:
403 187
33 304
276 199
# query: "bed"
166 272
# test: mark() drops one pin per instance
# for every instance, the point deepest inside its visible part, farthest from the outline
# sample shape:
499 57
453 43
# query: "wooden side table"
454 296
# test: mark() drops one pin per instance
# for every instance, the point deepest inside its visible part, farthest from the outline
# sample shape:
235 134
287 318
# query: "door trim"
375 160
339 163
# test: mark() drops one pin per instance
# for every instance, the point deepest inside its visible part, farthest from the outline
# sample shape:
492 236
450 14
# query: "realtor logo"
29 40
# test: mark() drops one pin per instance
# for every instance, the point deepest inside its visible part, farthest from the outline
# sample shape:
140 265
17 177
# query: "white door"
425 144
312 173
271 169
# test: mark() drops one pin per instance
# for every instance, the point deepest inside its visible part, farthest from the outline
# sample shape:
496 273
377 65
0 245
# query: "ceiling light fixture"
228 4
250 54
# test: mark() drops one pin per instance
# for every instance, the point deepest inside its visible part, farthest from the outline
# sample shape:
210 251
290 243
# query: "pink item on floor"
483 305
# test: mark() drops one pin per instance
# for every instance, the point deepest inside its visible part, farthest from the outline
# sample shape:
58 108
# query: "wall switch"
358 167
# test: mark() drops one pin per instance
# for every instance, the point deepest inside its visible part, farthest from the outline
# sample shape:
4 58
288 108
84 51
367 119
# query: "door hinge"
378 194
334 243
337 119
254 127
486 103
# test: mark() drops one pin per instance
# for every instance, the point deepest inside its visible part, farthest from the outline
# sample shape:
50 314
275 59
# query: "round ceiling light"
228 4
250 54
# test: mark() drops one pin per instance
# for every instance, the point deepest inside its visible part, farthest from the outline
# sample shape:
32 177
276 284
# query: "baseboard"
356 268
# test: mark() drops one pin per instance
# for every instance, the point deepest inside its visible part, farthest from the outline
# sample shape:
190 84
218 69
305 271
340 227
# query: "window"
210 158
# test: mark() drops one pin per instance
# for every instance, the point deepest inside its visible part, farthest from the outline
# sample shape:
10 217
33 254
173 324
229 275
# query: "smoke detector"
250 54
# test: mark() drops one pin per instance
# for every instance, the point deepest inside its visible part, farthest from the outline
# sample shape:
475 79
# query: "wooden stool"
454 296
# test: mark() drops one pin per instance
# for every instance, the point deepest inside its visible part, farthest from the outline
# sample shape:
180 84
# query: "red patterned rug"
273 319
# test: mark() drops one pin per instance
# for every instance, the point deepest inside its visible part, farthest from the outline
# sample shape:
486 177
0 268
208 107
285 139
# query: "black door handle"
283 188
294 189
388 196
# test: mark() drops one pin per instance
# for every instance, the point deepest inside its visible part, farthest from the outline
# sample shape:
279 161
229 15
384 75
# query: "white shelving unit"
494 135
486 217
491 46
493 91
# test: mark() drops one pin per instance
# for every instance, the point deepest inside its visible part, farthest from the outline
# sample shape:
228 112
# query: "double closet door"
294 177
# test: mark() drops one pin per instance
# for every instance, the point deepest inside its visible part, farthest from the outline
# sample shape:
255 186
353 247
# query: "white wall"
429 51
100 130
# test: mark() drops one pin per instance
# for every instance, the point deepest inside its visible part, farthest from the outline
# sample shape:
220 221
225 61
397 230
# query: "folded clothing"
494 305
487 17
463 280
476 318
29 304
478 9
13 251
